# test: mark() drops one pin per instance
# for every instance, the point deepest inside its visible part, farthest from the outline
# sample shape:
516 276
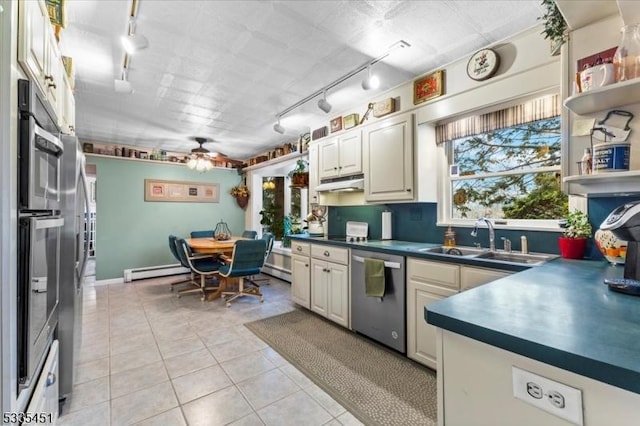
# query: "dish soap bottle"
450 237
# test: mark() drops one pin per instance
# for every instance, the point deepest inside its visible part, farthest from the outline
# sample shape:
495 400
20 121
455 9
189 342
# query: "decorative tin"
611 157
351 120
336 124
384 107
319 133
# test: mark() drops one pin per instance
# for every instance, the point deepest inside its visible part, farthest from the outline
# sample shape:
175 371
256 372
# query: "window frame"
444 198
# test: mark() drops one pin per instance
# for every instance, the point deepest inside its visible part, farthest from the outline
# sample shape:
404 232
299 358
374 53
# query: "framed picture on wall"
428 87
177 191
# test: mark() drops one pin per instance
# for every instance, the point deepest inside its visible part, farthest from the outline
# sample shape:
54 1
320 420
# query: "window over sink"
505 165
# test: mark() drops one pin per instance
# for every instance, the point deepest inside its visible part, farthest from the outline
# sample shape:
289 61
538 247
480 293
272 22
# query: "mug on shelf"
597 76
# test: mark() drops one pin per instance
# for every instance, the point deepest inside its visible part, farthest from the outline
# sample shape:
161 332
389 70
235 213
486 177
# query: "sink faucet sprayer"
492 236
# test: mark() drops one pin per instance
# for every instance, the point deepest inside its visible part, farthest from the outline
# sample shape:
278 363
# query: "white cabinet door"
301 280
314 180
472 277
388 160
33 40
350 153
338 287
53 78
421 336
329 158
319 287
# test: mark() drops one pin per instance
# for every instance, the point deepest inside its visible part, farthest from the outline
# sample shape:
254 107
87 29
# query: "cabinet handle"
299 248
51 379
48 77
306 265
408 189
335 168
53 85
340 167
326 253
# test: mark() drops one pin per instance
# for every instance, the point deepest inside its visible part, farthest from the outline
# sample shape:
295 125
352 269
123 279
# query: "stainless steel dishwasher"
381 319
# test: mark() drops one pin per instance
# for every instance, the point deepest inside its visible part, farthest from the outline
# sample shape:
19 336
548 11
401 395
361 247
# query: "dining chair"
202 266
249 234
269 239
174 252
202 234
246 261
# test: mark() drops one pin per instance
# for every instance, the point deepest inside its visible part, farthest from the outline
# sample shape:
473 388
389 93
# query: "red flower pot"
572 248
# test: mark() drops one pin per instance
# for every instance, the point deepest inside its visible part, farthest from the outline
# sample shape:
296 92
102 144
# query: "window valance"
526 112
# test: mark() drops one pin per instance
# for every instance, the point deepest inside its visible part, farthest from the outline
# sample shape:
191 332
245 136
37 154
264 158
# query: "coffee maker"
624 223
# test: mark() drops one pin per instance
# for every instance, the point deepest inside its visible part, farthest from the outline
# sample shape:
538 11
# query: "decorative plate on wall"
483 64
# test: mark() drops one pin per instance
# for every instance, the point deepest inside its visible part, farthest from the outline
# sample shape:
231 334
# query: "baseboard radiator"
277 272
153 272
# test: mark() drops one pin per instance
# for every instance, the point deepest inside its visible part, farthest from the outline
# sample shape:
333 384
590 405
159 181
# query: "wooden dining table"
212 246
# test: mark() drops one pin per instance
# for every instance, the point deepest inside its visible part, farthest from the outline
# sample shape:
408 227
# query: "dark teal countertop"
559 313
409 248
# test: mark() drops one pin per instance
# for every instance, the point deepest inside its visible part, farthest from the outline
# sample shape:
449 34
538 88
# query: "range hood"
352 183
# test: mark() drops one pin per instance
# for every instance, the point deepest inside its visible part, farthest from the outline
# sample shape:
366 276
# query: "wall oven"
39 152
38 272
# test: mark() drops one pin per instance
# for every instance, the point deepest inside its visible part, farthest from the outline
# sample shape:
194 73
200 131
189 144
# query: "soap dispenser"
450 237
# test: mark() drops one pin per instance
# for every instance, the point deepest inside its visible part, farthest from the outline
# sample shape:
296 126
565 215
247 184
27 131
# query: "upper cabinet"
388 160
341 156
39 55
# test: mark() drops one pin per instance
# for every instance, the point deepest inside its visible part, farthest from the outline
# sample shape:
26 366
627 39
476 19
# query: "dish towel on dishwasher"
374 277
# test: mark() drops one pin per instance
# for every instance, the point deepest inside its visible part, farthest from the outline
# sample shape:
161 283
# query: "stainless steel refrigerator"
73 257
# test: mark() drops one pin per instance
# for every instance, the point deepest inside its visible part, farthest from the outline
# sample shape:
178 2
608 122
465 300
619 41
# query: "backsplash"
417 222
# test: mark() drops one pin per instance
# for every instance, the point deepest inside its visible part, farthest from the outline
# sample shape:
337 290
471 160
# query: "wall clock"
483 64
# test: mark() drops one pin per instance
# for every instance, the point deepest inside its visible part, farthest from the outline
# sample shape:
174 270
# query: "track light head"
323 104
134 42
371 81
279 128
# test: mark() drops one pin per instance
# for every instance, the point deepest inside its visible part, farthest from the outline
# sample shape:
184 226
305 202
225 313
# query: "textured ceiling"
224 69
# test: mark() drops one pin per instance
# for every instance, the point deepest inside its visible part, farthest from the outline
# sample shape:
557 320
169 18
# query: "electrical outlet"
551 396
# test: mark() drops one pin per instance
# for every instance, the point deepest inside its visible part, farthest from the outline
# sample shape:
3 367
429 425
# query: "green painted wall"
132 233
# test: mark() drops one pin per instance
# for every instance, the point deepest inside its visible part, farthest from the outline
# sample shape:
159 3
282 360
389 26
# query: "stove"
357 232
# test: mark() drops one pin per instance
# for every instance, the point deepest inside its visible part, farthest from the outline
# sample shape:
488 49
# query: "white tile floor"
149 358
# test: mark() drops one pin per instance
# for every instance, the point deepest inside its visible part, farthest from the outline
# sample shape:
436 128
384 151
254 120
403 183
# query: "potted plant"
299 175
576 230
241 194
555 27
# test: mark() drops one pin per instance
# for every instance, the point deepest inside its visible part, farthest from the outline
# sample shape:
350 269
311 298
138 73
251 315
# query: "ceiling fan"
201 151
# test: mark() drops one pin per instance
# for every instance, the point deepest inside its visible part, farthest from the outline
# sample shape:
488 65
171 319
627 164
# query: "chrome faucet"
492 235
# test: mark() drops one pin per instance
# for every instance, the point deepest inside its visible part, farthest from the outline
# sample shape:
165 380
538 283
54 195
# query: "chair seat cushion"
224 270
206 265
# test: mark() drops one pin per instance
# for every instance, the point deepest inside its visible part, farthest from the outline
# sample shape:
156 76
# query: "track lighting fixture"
123 85
278 127
133 42
323 104
370 81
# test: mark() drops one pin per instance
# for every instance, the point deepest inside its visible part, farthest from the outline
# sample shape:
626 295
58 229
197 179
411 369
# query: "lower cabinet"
300 274
428 282
330 283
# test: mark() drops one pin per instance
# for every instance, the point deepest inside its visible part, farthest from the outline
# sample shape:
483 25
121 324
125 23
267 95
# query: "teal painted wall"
132 233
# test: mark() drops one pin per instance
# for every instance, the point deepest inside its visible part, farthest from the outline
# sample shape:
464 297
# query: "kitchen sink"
455 251
526 259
